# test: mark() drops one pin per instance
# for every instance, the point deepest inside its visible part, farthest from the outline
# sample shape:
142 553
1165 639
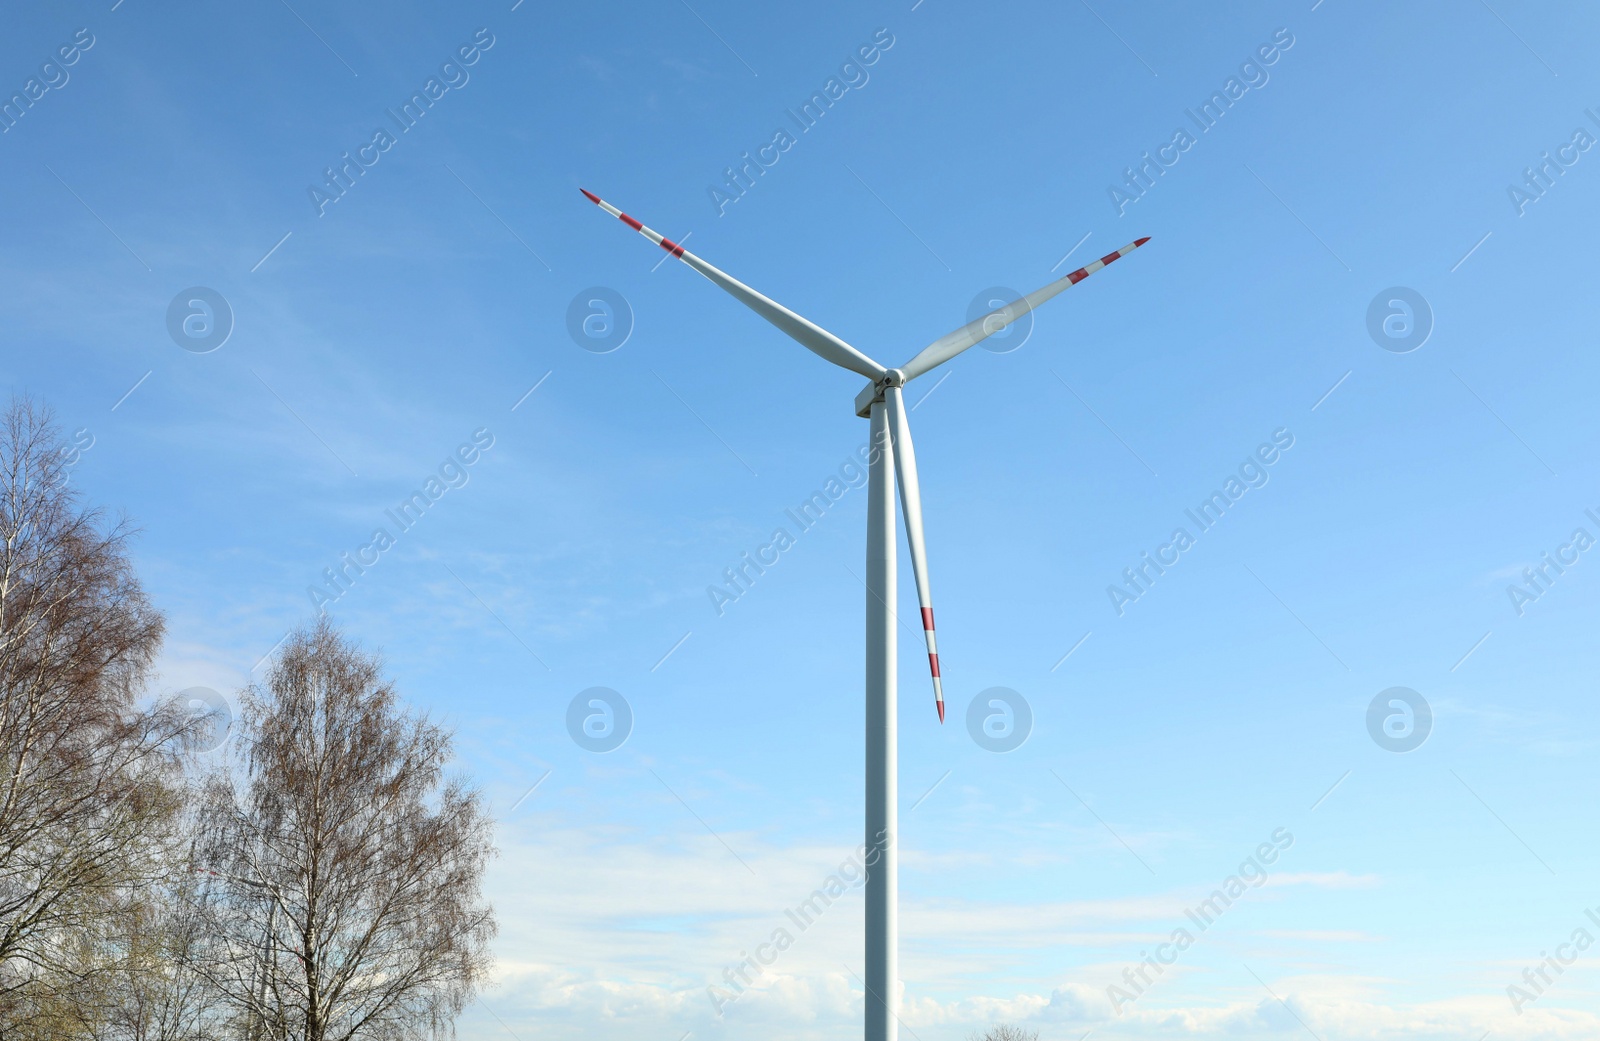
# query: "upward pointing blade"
905 466
815 338
951 344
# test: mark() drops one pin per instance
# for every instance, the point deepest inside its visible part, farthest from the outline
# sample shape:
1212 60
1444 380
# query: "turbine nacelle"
874 391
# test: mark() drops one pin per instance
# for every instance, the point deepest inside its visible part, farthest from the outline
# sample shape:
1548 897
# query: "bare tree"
345 866
156 986
89 784
1005 1032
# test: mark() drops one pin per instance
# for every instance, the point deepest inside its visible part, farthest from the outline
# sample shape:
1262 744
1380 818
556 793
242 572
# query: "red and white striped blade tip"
591 196
941 711
1136 242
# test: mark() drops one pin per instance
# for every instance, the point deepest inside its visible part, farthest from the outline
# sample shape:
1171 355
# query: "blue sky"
372 335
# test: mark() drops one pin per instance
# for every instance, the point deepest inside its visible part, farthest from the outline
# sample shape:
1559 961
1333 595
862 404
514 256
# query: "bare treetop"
349 864
1005 1032
89 786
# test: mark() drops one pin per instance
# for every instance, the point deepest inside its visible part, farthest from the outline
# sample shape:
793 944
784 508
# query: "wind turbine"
882 401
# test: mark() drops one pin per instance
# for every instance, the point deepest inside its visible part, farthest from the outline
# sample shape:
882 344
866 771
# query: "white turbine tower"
882 401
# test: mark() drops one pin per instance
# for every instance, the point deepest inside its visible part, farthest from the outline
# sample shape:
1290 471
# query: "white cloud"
608 934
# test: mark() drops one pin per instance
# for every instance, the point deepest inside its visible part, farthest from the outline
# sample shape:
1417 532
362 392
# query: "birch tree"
345 863
89 782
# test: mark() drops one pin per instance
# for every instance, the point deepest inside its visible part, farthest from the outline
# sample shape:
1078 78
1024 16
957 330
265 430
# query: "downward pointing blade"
813 337
951 344
905 466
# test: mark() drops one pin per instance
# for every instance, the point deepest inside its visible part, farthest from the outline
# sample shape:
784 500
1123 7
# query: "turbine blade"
809 335
951 344
905 466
